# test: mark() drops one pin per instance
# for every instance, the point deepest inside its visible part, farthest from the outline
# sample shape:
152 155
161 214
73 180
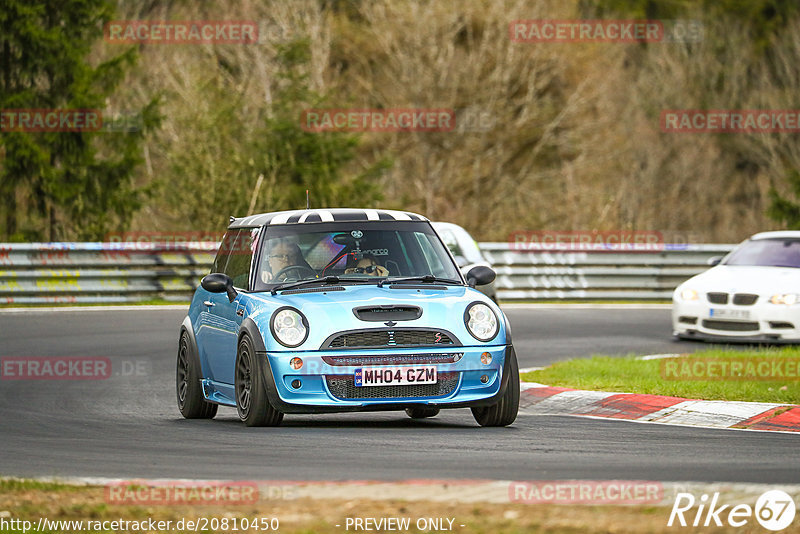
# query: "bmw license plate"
728 314
395 376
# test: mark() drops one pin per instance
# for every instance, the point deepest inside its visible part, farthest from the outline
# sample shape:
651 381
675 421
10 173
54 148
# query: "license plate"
729 314
394 376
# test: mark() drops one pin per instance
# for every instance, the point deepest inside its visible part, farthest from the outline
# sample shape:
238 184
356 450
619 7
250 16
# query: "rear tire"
191 401
252 403
420 412
504 412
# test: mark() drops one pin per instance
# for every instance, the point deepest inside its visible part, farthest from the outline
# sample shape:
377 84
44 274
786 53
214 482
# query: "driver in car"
281 255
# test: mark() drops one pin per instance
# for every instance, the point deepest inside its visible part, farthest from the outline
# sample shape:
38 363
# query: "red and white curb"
538 399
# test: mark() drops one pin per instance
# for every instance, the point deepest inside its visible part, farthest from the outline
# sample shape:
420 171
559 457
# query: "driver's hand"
381 270
266 277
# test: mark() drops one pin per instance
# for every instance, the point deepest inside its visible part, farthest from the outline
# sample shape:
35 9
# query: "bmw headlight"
689 294
481 321
787 299
289 327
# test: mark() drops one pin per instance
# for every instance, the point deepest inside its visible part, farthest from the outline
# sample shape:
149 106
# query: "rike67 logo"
774 510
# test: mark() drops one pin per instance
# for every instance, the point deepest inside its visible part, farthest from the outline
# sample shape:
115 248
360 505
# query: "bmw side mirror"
714 260
480 275
219 283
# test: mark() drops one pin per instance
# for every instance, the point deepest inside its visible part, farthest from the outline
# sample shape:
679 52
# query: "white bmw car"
752 294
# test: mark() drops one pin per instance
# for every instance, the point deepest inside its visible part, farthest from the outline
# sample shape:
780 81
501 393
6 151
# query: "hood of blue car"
330 312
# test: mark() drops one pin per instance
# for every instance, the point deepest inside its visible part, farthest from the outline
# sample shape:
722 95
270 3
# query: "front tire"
504 412
191 401
251 393
420 412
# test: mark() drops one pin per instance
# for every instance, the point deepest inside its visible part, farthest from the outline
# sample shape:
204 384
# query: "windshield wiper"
427 278
312 281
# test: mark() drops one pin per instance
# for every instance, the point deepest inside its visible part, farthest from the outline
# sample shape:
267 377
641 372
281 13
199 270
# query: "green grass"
18 485
627 374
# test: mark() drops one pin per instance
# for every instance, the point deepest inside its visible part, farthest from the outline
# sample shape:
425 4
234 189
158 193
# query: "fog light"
486 358
484 379
296 384
296 363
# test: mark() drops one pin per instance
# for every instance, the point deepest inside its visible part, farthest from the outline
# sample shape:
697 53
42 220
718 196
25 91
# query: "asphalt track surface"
129 427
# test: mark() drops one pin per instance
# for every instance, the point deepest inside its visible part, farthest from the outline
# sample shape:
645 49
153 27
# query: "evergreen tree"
73 185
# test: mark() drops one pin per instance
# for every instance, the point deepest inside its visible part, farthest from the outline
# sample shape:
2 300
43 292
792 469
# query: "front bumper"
320 390
762 322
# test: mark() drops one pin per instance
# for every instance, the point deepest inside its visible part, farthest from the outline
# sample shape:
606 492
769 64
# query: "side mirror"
461 261
480 275
714 260
219 283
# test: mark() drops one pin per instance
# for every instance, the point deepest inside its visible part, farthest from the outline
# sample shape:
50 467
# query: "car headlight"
787 299
689 294
481 321
289 327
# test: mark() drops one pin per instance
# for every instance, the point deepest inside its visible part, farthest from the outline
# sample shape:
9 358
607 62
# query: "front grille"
717 298
780 324
390 338
745 299
731 326
393 359
343 387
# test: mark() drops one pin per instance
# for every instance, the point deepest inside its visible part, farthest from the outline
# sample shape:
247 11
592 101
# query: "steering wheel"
301 270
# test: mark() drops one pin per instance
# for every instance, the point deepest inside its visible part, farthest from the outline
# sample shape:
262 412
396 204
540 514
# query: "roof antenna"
306 198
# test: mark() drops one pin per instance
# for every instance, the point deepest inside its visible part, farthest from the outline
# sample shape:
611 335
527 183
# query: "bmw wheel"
191 402
251 394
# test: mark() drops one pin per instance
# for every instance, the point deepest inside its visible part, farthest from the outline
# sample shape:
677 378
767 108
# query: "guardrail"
541 273
40 273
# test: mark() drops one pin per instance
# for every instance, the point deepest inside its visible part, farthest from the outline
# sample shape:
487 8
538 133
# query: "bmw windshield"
767 253
356 252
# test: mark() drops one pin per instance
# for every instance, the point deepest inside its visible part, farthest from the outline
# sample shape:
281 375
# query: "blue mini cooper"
318 311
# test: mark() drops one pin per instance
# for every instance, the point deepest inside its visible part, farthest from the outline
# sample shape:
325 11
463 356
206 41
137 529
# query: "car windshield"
356 251
767 252
464 247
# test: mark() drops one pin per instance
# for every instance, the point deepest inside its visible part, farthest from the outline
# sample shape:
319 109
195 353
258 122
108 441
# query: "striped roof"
319 215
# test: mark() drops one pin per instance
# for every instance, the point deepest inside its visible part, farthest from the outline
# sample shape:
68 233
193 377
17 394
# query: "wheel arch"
250 328
186 326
